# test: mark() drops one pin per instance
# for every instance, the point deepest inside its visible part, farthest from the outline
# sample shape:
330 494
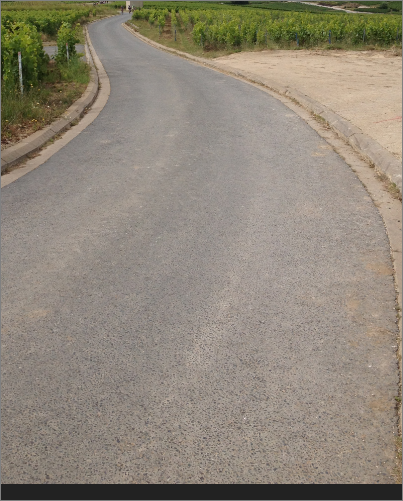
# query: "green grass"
75 71
39 106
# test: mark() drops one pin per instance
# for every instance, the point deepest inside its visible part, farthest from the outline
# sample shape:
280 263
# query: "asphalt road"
195 289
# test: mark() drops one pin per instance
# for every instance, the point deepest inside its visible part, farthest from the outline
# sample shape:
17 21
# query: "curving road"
196 289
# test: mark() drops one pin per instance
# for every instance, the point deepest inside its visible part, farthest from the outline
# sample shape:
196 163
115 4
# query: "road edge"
383 161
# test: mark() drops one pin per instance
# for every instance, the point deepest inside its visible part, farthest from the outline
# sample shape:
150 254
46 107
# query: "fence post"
67 51
363 37
20 72
296 38
330 36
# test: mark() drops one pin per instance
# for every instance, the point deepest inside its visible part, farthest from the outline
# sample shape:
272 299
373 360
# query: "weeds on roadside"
392 188
39 106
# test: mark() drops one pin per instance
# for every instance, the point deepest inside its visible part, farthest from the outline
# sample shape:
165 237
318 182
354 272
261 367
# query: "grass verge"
38 107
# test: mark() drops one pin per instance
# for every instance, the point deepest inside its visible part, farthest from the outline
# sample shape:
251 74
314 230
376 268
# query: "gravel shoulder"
365 88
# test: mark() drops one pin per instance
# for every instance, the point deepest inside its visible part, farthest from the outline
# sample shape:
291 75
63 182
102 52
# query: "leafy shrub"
161 21
231 27
24 38
66 35
47 22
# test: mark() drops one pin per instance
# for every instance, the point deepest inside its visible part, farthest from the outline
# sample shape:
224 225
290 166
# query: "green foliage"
234 27
24 38
46 21
142 14
60 5
397 6
383 8
75 71
119 5
42 104
368 6
288 6
152 17
65 35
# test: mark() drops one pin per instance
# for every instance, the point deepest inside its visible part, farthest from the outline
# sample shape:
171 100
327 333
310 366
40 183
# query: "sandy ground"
363 87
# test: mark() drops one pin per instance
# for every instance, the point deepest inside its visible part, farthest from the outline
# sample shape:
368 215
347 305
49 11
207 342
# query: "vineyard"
34 88
25 25
213 27
22 31
288 6
45 21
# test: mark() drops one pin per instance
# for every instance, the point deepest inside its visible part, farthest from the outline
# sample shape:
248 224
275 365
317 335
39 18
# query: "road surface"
196 289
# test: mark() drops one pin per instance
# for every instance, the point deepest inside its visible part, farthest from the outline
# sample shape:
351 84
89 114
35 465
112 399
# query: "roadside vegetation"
286 6
50 85
218 29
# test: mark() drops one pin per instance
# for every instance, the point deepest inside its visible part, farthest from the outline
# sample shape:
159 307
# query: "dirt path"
363 87
335 8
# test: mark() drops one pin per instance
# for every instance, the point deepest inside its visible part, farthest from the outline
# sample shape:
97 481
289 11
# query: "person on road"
121 9
130 9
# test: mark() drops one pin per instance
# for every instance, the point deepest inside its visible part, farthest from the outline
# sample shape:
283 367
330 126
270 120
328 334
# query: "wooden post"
20 72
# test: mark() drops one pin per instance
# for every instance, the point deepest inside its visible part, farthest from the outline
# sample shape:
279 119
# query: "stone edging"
376 154
35 141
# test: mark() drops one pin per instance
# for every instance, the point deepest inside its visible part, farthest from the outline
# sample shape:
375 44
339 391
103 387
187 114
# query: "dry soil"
363 87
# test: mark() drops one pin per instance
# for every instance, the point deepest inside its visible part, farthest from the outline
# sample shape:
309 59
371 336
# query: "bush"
230 28
65 35
24 38
47 22
161 21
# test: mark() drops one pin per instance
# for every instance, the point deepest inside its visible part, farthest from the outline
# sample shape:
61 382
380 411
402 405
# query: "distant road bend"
196 289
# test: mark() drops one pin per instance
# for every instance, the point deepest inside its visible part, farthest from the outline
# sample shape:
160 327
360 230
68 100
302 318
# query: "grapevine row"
48 21
234 27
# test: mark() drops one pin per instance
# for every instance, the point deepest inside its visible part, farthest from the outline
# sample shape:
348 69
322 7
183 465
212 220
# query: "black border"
209 492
